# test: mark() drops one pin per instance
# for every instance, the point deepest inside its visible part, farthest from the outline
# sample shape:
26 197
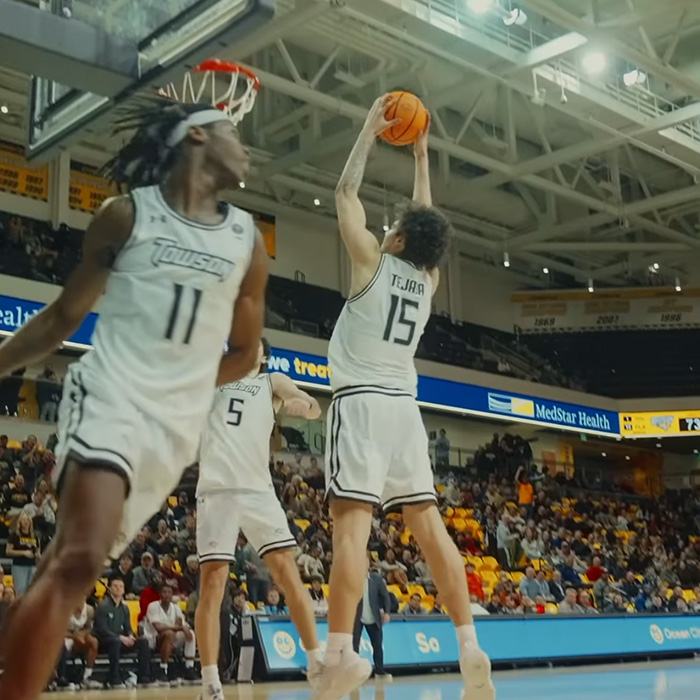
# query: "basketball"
413 119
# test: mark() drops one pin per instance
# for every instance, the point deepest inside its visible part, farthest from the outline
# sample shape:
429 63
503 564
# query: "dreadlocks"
147 158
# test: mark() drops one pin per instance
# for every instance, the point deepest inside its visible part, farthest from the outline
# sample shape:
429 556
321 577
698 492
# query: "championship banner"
87 189
660 424
18 177
606 310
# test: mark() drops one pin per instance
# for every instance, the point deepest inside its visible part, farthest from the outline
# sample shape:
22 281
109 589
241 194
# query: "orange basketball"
413 118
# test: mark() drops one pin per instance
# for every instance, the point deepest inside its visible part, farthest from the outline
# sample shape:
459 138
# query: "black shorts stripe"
335 434
370 284
90 448
368 389
410 498
103 464
397 506
282 545
345 495
216 557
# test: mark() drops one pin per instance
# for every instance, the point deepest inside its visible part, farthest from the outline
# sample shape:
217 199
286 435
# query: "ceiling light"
655 266
594 62
603 454
515 18
545 270
481 7
317 202
695 452
634 77
506 259
591 288
385 228
678 285
627 457
658 444
241 185
4 109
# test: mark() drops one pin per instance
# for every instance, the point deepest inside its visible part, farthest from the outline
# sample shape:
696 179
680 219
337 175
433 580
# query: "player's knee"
284 569
77 564
213 577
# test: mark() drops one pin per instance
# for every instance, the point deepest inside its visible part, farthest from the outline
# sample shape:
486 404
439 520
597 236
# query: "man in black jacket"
556 588
373 614
115 636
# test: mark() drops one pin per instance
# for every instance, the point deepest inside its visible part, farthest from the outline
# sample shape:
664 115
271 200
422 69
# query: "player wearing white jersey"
377 448
235 492
181 273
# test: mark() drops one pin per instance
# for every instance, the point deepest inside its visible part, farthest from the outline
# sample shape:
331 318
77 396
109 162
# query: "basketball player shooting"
235 492
377 447
181 272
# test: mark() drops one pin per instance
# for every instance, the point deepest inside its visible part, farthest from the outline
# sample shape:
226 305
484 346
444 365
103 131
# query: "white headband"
206 116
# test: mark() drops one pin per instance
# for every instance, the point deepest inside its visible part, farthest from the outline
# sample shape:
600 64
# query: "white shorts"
377 449
98 425
221 514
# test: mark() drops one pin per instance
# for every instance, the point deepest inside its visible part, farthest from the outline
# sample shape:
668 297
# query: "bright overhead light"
695 452
655 266
658 444
591 288
545 270
481 7
603 454
593 62
678 285
634 77
515 18
241 185
627 457
317 202
4 109
506 259
385 228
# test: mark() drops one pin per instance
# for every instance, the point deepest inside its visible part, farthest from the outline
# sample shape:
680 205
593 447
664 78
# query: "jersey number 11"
175 313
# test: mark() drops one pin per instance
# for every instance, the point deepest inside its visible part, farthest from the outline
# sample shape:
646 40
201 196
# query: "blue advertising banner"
14 313
431 640
436 393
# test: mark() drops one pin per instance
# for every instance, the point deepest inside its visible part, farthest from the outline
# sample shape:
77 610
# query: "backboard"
105 51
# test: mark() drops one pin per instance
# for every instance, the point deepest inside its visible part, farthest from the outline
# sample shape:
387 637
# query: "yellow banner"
18 177
87 189
660 424
267 226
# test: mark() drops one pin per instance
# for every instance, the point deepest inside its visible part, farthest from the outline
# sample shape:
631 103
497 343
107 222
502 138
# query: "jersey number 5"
175 313
409 323
235 413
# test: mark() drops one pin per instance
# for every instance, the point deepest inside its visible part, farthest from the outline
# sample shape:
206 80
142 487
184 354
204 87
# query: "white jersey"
168 308
78 622
377 334
235 451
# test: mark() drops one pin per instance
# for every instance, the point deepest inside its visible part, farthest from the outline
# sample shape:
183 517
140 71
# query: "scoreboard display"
660 424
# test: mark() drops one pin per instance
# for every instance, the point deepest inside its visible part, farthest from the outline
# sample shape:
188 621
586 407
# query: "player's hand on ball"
376 122
420 148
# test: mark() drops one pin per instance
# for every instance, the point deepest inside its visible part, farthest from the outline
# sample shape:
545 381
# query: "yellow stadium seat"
100 589
405 537
440 488
552 608
490 564
303 524
584 578
450 512
375 555
688 596
134 610
251 606
490 578
459 524
518 576
172 501
325 589
460 513
416 588
397 592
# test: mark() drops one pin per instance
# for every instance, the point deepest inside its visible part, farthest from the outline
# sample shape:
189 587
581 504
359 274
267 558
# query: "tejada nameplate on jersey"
442 394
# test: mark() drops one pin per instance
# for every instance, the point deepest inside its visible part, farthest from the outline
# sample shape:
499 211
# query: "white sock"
466 636
210 676
189 663
88 674
337 645
314 658
164 666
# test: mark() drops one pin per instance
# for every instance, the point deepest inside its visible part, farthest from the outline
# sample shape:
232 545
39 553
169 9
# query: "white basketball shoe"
337 682
476 672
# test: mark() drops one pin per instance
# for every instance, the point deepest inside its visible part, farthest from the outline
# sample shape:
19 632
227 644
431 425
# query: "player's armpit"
361 244
248 319
104 238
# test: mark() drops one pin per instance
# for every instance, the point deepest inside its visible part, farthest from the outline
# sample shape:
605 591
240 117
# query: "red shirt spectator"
475 582
595 570
148 596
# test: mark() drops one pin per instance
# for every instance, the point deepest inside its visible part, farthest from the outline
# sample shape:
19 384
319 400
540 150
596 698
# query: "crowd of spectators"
532 544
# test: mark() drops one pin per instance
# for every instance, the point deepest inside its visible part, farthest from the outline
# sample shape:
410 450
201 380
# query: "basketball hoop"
217 81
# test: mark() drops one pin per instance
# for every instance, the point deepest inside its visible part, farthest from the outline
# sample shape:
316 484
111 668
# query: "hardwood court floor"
659 681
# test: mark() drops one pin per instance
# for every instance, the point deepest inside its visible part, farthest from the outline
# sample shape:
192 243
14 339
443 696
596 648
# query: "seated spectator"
570 606
166 514
422 571
586 603
17 495
630 586
81 641
615 604
144 574
42 511
180 510
123 570
658 604
318 597
393 571
475 582
24 550
556 587
171 577
293 527
115 636
140 545
164 539
529 586
190 576
603 590
166 630
643 601
595 570
273 603
532 548
414 605
188 531
310 564
437 606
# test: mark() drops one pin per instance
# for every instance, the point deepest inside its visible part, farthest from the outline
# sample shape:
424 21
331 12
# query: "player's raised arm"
295 401
362 246
104 238
421 183
248 319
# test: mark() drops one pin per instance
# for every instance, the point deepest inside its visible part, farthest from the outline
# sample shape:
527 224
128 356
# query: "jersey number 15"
391 332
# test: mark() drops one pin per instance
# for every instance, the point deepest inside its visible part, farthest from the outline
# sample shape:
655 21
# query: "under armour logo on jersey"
168 252
158 217
238 229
